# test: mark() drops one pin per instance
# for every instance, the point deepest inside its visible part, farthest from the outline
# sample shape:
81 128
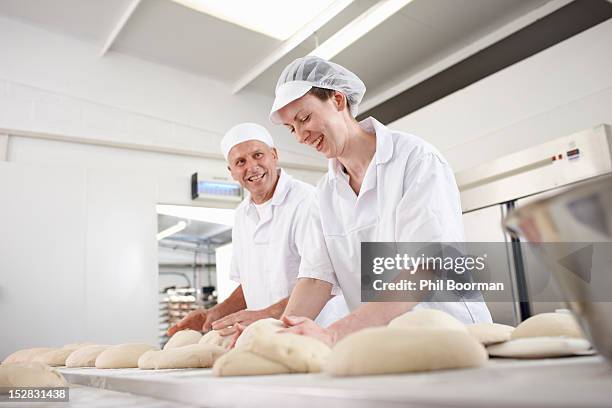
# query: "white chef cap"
242 133
302 74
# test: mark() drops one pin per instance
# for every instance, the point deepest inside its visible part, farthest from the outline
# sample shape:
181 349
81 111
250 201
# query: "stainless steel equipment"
493 189
551 165
582 214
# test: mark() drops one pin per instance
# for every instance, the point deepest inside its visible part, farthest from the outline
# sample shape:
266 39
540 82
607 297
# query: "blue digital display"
219 189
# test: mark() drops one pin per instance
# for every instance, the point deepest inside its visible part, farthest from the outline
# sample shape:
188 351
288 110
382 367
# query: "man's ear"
274 152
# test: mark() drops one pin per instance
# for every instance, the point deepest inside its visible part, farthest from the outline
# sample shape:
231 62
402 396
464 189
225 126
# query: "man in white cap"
268 237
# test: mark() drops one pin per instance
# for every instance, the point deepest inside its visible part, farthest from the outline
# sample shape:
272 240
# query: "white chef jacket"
267 252
408 194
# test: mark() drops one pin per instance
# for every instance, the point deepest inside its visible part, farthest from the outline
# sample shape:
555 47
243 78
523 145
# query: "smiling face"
253 164
322 124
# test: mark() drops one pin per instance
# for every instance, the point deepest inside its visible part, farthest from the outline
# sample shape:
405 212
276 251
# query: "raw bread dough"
427 319
25 355
277 353
267 326
548 325
190 356
85 356
54 358
242 362
57 357
30 374
541 347
213 337
388 350
490 333
301 354
183 338
122 355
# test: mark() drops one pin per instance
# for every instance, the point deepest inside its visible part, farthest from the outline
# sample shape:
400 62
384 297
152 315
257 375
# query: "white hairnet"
304 73
242 133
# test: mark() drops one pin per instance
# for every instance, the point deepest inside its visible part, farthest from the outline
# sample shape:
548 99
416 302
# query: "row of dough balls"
186 349
85 355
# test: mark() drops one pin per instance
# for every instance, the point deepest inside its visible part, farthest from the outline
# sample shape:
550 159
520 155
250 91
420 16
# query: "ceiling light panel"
279 19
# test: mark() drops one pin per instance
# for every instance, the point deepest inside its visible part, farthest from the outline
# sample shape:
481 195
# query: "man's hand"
227 325
200 320
306 327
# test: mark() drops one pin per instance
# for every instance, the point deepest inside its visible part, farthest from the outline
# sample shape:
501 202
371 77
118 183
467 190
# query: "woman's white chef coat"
267 251
408 194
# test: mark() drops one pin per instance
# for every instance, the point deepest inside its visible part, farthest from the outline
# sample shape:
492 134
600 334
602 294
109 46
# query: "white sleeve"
310 241
430 208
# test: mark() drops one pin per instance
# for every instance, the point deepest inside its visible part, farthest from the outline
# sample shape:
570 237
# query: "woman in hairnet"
381 186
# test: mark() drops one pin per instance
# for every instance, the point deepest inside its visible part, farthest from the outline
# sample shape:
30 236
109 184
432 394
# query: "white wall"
77 256
561 90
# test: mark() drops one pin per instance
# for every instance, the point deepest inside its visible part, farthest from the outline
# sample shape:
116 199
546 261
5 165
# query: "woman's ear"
339 100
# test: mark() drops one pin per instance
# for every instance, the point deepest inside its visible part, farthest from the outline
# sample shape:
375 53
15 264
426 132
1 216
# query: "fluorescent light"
359 27
172 230
279 19
213 215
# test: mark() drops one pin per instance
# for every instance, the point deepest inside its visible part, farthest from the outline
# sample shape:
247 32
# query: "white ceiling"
167 33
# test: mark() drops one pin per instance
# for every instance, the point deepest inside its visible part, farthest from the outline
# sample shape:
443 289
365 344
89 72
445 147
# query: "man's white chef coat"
408 194
267 252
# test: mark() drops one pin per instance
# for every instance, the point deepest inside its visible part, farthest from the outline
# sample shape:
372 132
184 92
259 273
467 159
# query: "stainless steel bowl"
581 215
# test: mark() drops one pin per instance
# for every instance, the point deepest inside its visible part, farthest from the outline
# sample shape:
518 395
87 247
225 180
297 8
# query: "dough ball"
277 353
387 350
490 333
85 356
242 362
25 355
540 347
122 355
301 354
30 374
213 337
190 356
183 338
76 346
267 326
427 319
54 358
548 325
58 357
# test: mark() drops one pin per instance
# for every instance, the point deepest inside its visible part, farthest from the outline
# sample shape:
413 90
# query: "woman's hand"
306 327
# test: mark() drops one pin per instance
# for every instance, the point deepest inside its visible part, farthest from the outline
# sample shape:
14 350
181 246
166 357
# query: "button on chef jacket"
408 194
267 250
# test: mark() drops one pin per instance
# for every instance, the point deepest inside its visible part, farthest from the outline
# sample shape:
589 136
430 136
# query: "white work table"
563 382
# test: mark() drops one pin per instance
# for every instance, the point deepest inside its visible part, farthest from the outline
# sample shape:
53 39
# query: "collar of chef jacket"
280 193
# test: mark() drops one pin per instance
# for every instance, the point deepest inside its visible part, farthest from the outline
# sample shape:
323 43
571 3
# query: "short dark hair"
325 94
